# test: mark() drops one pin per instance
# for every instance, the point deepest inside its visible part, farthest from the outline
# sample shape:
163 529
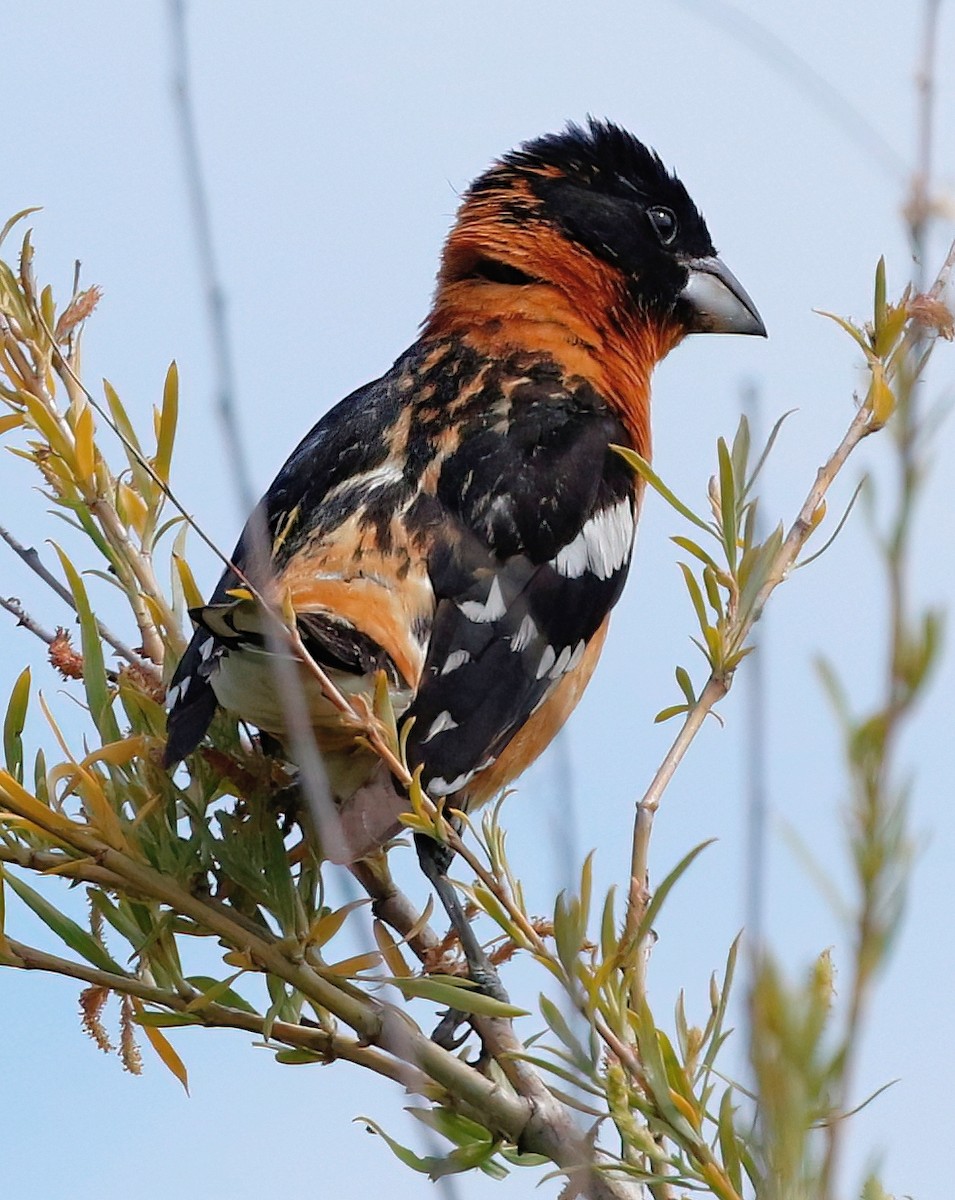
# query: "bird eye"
664 224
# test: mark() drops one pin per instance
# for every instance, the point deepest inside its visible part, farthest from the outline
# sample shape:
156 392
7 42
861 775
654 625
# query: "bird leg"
435 859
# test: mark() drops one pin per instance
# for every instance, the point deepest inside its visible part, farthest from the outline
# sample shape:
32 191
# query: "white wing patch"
526 630
457 658
602 546
440 724
443 787
492 609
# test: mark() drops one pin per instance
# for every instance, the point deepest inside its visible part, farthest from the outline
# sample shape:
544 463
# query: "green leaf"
740 452
460 1130
685 684
647 473
558 1025
663 889
94 669
464 1158
696 551
127 435
454 992
728 1141
24 212
13 724
66 930
218 991
297 1058
164 1020
695 595
727 503
878 308
168 419
667 714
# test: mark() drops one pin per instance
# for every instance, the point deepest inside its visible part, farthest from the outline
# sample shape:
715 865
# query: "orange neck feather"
578 313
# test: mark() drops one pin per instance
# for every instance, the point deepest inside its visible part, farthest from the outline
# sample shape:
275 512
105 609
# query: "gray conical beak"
714 300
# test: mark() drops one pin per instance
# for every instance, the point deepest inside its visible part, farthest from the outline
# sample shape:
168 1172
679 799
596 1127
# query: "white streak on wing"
525 632
602 546
206 648
577 655
560 666
378 477
441 787
548 658
440 724
175 694
492 609
457 658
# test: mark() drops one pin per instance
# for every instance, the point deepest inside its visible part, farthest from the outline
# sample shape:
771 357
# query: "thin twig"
218 325
16 609
32 559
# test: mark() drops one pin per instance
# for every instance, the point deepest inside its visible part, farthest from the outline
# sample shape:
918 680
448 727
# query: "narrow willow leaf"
804 562
574 1078
667 714
719 1014
852 330
740 451
696 596
878 307
423 1165
685 684
558 1025
697 551
455 992
646 472
767 449
358 962
13 724
727 503
24 212
663 889
217 991
295 1058
327 924
164 1020
11 421
64 927
390 951
83 430
456 1128
94 669
167 1055
729 1149
167 423
608 927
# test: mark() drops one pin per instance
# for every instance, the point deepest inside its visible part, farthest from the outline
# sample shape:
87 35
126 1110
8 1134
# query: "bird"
463 526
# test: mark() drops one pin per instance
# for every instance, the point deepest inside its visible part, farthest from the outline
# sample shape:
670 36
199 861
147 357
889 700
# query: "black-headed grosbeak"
463 523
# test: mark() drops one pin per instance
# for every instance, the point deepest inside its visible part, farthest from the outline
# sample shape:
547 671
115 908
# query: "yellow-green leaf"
168 419
163 1048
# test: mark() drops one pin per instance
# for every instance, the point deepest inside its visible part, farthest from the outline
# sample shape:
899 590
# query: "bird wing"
534 516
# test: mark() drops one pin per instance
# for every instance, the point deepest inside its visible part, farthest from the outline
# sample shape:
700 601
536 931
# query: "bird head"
592 214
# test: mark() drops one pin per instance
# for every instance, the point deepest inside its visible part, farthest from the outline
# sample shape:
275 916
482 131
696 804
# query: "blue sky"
336 139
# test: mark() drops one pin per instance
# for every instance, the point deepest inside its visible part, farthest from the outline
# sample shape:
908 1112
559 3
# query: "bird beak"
714 300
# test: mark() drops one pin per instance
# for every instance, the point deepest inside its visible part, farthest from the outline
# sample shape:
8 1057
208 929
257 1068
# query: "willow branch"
328 1045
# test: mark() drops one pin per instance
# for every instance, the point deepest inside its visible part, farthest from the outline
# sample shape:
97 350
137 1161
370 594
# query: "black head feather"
608 192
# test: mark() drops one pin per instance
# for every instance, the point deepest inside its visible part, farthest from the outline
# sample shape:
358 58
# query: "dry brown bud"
933 314
76 311
63 657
